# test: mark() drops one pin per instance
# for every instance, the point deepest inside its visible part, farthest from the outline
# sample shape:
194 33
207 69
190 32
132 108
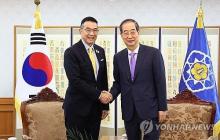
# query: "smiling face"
130 35
89 31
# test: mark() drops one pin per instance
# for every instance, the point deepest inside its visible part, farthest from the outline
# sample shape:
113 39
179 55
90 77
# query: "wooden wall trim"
6 101
8 117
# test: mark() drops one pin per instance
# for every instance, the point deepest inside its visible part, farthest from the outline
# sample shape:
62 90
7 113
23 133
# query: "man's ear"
80 30
121 35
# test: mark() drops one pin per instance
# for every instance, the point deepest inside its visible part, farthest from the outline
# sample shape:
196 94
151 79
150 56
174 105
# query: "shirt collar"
87 46
135 51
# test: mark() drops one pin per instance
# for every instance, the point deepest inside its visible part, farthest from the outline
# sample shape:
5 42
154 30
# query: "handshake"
105 97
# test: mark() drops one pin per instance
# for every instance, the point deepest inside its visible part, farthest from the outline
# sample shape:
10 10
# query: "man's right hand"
105 97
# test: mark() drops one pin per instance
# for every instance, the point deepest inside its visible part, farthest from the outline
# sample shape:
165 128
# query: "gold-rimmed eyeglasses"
89 31
127 33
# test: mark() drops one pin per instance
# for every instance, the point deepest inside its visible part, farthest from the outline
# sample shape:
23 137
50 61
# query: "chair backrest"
188 118
43 117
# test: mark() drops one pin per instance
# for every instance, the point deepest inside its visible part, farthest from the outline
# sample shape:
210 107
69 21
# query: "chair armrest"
213 138
25 137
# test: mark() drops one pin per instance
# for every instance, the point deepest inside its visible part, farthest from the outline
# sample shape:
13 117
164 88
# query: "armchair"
43 117
189 118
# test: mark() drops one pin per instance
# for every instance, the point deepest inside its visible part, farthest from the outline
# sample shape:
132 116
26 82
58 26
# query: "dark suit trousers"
134 128
88 126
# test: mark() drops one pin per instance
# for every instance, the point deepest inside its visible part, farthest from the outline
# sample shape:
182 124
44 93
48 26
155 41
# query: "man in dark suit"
140 78
85 66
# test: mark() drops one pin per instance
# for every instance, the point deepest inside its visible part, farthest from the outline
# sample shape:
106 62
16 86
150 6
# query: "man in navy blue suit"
140 78
86 70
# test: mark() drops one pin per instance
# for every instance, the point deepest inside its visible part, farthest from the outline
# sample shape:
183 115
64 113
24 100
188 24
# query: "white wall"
108 12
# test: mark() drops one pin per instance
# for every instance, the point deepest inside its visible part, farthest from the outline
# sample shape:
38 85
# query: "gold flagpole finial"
200 16
37 15
37 2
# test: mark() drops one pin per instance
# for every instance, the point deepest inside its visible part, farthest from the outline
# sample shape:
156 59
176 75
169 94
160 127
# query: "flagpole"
200 3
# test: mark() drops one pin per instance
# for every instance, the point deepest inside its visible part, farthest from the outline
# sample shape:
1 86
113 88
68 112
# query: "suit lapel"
99 57
85 55
126 64
139 61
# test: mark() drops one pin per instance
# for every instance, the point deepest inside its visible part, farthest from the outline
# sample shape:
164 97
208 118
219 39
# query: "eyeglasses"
89 31
131 32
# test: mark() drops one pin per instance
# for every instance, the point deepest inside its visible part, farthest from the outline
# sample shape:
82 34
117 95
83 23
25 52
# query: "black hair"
92 19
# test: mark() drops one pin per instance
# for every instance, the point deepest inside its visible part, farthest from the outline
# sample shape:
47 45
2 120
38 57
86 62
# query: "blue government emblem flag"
197 75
